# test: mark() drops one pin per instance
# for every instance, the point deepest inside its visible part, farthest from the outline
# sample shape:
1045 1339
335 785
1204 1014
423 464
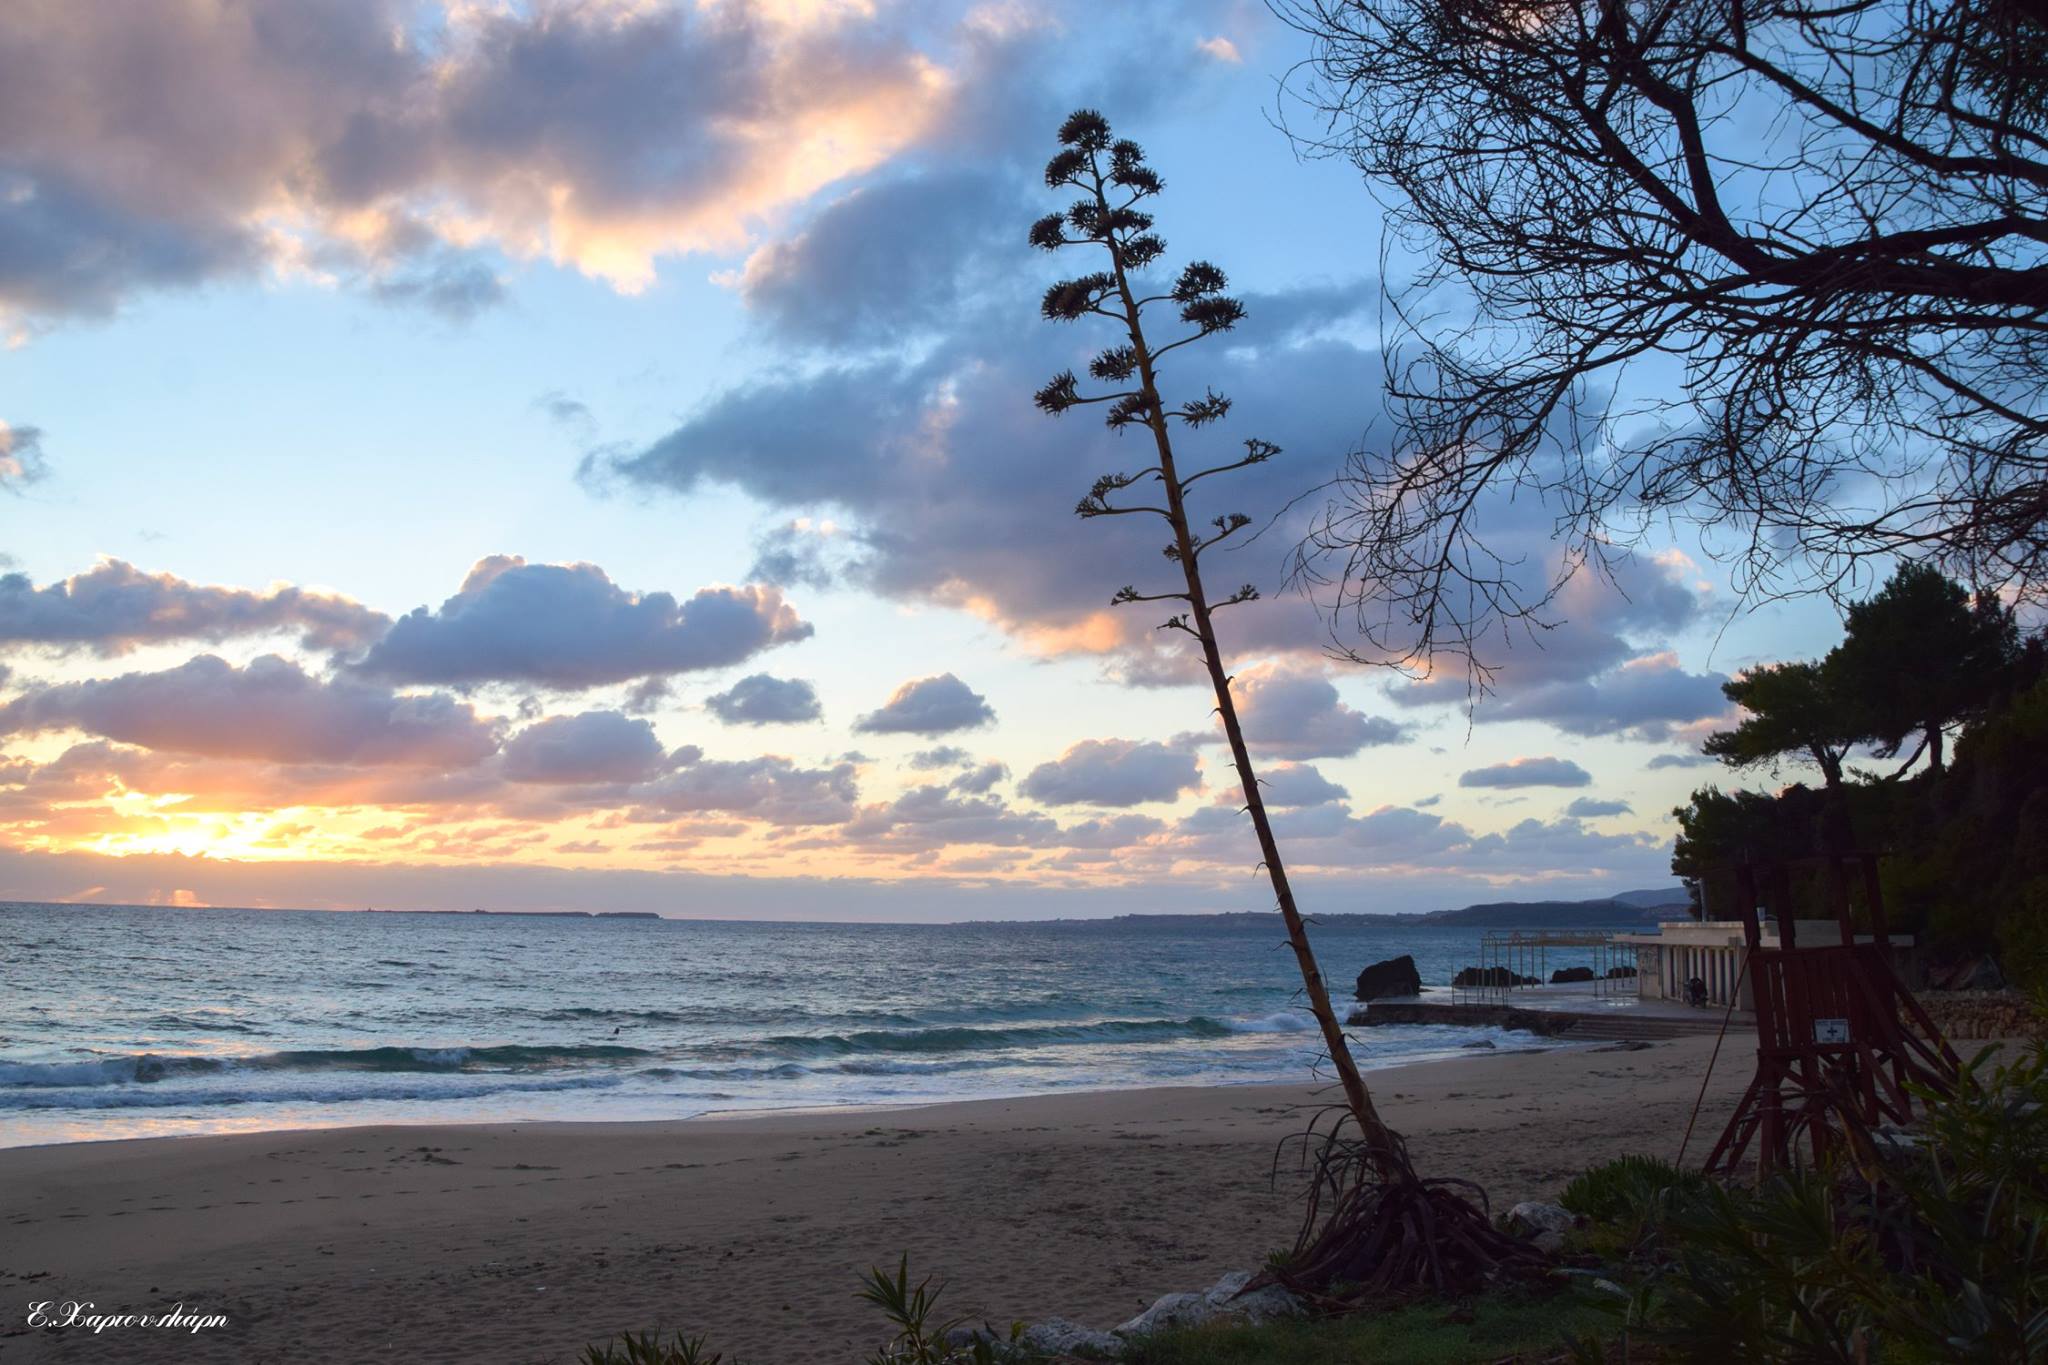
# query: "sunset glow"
633 473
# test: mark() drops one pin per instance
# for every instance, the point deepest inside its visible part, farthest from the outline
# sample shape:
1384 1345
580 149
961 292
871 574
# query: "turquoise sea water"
132 1021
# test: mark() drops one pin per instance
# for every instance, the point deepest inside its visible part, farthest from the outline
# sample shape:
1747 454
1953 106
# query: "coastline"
550 1098
523 1241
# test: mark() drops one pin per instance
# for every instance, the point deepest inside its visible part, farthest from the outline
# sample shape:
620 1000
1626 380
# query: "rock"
1171 1310
1493 976
1228 1298
1058 1337
1547 1223
1625 1045
1971 974
1620 973
1482 1044
964 1336
1228 1288
1564 974
1395 976
1264 1305
1981 1014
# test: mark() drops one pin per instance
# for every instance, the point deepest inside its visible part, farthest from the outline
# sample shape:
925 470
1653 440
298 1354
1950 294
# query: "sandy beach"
522 1242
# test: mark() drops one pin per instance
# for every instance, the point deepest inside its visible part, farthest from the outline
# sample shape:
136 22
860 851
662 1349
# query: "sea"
134 1021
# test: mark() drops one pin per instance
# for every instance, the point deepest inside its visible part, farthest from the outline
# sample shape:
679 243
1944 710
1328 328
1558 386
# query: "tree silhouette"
1777 267
1922 656
1796 709
1373 1226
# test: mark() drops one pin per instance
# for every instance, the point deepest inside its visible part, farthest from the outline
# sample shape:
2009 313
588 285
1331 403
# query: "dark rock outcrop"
1564 974
1493 976
1970 974
1395 976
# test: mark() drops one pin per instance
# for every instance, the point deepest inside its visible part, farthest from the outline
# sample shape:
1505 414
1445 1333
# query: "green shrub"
1618 1188
647 1348
2023 936
1503 1324
1627 1202
1931 1251
920 1336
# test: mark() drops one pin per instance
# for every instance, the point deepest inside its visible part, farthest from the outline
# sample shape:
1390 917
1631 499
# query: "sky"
579 454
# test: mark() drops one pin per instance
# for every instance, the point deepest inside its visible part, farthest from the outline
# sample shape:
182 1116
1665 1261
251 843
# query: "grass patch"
1490 1327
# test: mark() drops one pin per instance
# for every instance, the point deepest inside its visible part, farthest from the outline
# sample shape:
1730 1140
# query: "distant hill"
1674 896
1599 914
1626 910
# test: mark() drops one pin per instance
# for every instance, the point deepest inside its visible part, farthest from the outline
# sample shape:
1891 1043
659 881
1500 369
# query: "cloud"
1401 841
981 779
846 280
1292 713
770 788
596 746
271 710
929 706
455 284
353 140
1603 666
897 445
944 756
1297 784
1648 697
569 626
1681 761
961 812
1401 834
759 699
114 607
1592 808
1113 772
1111 832
795 555
894 441
1221 49
1528 772
566 411
21 455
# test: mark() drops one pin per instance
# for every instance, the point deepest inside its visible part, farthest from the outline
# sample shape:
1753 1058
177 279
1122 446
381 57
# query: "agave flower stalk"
1371 1226
1113 179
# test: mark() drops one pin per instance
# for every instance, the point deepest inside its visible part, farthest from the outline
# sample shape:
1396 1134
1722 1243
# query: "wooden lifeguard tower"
1839 1037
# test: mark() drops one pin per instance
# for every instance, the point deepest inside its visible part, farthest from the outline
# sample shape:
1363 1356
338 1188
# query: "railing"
1519 959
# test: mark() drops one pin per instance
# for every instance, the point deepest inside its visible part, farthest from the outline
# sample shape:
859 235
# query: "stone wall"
1971 1015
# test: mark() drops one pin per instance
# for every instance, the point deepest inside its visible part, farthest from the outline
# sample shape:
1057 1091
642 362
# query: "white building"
1713 951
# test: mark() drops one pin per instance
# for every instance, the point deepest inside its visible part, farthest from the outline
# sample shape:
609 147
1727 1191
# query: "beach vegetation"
1625 1203
922 1337
1494 1327
651 1348
1924 1247
1372 1227
919 1335
1963 839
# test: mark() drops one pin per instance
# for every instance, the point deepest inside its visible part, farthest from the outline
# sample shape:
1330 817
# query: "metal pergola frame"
1508 954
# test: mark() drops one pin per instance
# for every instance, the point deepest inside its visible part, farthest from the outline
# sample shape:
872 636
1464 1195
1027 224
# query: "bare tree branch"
1775 269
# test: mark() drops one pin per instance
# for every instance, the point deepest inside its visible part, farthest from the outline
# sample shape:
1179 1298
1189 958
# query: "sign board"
1831 1030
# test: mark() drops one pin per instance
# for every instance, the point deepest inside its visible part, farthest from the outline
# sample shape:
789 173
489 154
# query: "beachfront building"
1701 961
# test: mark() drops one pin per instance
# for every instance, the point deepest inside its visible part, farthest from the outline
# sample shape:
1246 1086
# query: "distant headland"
517 914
